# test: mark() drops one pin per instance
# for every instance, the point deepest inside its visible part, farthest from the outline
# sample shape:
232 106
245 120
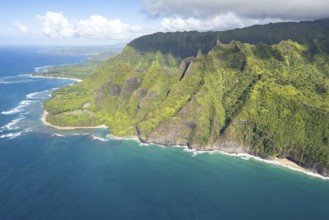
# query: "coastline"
44 121
113 137
282 162
288 163
51 77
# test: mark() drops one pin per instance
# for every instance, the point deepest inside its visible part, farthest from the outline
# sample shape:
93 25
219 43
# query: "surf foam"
99 138
57 135
18 108
11 135
35 95
11 125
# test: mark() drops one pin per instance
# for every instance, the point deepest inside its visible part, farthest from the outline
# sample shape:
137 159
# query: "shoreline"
113 137
289 163
51 77
282 162
44 121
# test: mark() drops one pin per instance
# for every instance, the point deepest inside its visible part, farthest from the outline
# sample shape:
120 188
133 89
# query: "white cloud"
21 27
55 25
98 26
282 9
219 22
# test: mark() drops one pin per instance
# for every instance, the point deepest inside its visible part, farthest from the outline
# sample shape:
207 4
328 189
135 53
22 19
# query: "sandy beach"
293 166
284 162
288 163
44 121
113 137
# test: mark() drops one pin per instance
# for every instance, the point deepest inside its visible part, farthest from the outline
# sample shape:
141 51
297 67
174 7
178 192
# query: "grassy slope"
78 71
271 99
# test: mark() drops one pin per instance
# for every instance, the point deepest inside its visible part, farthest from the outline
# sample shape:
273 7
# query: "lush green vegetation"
184 44
272 98
78 71
96 56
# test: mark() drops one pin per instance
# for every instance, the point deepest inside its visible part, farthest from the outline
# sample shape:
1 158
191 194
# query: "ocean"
81 174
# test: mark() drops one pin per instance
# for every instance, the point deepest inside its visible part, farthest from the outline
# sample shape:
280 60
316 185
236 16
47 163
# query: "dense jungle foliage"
265 88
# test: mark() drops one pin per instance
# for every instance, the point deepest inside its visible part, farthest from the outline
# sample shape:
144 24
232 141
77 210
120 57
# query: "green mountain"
262 90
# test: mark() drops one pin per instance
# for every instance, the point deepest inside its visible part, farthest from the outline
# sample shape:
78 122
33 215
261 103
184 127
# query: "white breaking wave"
41 68
25 75
18 108
99 138
80 134
11 135
11 125
32 95
35 95
13 82
57 135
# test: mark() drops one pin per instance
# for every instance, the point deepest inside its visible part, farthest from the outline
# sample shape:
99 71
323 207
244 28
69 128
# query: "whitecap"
41 68
194 151
11 135
25 75
11 125
245 158
80 134
18 108
142 143
35 95
32 95
57 135
14 82
99 138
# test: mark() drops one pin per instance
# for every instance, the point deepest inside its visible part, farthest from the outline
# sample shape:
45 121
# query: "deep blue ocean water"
51 174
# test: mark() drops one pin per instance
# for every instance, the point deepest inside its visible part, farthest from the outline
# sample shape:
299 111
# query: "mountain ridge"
269 100
189 42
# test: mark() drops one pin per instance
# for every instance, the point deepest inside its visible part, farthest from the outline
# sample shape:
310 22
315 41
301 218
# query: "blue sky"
107 21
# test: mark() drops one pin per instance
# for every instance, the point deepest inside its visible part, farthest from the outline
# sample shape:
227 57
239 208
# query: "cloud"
219 22
280 9
21 27
98 26
55 25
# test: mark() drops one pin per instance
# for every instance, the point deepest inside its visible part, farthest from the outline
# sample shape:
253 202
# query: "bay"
81 174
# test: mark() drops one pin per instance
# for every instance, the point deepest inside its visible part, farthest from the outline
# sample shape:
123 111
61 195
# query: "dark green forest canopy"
185 44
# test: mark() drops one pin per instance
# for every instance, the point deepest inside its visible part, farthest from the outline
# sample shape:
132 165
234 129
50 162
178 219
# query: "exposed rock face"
184 66
115 90
107 88
104 91
141 93
228 146
130 86
148 97
316 168
172 132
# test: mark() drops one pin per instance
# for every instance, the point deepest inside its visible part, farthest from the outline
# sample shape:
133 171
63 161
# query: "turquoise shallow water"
51 174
